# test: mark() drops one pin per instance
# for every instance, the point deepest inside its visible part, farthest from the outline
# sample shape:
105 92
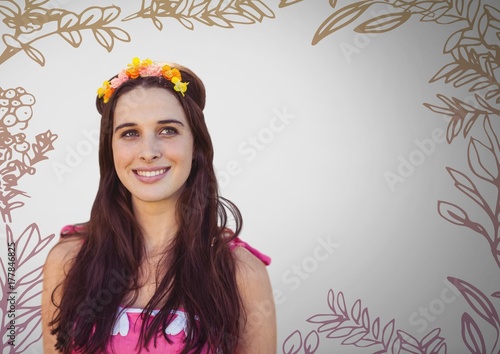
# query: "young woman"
156 268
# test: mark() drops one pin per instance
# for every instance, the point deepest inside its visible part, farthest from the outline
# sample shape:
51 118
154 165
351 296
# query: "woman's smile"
150 175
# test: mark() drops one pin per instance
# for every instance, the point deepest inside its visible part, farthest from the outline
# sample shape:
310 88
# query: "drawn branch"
223 14
482 306
26 282
484 161
17 155
35 22
353 327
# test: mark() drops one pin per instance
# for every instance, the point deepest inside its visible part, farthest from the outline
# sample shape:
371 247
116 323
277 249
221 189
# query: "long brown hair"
199 277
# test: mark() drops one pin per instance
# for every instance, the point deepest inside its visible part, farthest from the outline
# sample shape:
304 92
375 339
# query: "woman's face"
152 145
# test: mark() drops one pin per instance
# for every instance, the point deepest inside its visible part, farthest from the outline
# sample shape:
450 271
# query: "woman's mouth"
151 173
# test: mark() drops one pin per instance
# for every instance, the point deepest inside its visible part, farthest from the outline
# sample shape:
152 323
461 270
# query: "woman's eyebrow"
125 125
170 121
164 121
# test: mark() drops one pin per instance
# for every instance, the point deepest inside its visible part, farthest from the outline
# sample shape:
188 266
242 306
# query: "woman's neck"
158 224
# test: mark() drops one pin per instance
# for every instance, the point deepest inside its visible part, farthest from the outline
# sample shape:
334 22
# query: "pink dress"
128 323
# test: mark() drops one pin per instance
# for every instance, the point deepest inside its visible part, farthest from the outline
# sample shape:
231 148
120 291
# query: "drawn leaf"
430 337
109 14
104 38
467 78
482 161
465 185
311 342
376 328
328 322
238 18
257 9
434 14
330 299
28 329
11 41
72 37
472 11
496 294
324 318
25 243
387 333
3 276
356 311
285 3
472 335
119 34
355 337
365 319
38 2
32 292
477 300
339 19
492 137
446 72
454 127
341 332
407 338
219 21
186 23
480 85
34 54
329 326
341 304
30 277
439 110
157 23
470 123
293 343
383 23
364 342
448 19
10 12
90 16
452 213
460 6
67 21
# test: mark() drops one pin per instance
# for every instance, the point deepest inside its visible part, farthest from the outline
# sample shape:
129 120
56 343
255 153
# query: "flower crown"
142 68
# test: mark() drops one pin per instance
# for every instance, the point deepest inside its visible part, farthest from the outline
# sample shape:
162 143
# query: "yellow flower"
179 86
102 90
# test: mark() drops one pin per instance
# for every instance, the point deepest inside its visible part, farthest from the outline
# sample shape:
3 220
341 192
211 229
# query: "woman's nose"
149 149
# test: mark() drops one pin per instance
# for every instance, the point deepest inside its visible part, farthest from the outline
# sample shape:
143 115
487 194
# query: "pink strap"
237 242
69 230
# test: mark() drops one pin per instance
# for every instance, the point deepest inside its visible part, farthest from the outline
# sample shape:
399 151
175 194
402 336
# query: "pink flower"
117 81
150 70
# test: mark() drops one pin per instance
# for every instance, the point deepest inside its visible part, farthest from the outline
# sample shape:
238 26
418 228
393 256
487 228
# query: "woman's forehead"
148 104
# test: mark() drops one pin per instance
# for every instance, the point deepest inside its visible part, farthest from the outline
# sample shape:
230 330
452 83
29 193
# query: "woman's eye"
129 133
169 131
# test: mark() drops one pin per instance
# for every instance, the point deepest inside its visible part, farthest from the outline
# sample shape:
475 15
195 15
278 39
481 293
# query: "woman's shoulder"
250 262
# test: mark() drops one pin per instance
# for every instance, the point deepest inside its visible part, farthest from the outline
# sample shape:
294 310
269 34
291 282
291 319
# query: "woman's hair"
197 271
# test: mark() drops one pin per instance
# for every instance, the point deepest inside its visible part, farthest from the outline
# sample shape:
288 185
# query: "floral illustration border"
474 64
